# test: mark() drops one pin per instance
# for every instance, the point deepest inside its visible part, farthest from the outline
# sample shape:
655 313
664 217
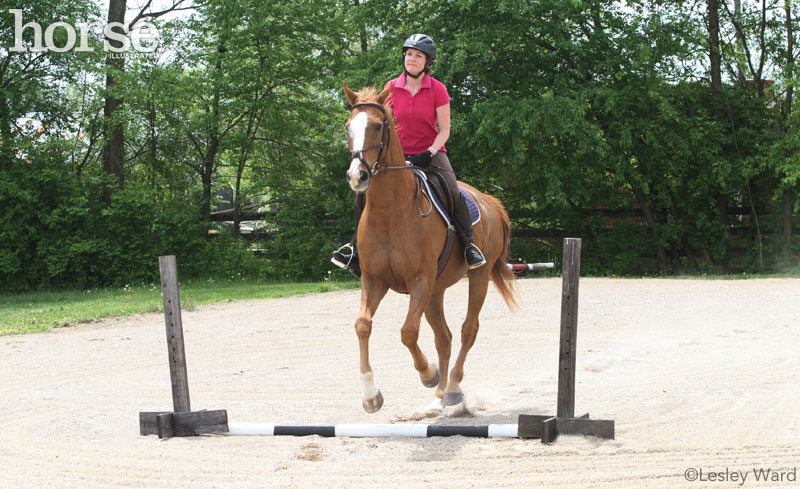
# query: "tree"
255 62
114 147
30 80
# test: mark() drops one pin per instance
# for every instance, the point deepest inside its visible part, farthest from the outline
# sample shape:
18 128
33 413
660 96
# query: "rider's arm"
443 121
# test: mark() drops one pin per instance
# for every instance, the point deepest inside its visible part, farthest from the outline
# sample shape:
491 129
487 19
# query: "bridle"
383 145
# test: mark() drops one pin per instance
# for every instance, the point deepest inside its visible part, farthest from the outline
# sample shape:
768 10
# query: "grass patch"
41 311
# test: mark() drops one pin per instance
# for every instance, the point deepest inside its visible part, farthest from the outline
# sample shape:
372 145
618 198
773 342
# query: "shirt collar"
401 81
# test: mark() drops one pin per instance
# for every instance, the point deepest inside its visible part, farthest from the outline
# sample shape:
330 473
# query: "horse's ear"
385 94
349 94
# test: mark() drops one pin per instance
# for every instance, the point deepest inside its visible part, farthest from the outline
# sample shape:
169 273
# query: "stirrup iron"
340 263
479 252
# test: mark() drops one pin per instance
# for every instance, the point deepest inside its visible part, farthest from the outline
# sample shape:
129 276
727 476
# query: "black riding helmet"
422 43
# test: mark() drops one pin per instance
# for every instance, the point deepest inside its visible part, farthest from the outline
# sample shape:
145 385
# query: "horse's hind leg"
434 313
371 296
478 285
428 373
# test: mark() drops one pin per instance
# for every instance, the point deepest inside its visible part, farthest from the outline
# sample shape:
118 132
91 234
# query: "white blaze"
358 130
358 133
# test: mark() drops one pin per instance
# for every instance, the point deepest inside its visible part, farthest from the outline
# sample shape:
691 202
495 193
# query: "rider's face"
415 60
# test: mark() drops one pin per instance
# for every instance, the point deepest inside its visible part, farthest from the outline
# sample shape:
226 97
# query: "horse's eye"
378 126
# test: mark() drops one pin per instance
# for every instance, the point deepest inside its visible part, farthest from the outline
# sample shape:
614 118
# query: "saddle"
434 188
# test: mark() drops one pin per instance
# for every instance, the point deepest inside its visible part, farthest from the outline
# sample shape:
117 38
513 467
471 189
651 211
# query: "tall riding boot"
341 258
472 253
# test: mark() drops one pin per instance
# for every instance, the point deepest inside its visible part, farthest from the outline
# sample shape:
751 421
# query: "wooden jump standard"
185 422
182 421
564 422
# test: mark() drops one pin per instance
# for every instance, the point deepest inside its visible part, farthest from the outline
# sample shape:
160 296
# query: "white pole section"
374 430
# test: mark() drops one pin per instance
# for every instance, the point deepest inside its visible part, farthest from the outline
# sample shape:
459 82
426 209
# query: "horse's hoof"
433 381
453 398
435 407
457 411
373 405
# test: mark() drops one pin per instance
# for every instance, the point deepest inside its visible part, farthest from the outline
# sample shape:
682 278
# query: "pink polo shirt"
415 117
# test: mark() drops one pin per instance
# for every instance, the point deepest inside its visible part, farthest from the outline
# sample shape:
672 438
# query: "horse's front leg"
428 372
371 296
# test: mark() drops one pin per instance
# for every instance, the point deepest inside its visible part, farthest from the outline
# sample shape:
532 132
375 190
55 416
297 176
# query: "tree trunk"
114 148
237 196
723 210
787 103
6 151
362 32
589 230
741 62
153 144
715 56
212 148
207 174
788 195
661 252
788 207
754 215
685 244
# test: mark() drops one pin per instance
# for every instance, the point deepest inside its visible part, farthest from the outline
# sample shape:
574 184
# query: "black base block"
167 424
547 428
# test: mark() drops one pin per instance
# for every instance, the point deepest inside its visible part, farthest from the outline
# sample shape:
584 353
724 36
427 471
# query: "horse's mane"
367 94
370 94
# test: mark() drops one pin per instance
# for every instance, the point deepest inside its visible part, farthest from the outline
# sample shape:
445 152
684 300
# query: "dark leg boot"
472 253
349 260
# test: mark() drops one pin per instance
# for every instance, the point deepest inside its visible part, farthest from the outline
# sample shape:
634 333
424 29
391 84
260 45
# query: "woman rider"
421 108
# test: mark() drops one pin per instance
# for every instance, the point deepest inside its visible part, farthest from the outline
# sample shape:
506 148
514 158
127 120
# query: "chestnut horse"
398 249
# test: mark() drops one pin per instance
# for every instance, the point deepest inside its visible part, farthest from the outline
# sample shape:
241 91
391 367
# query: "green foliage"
225 257
138 227
313 220
588 118
45 234
56 232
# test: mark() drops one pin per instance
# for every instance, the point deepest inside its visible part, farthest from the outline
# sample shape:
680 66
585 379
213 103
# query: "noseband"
380 146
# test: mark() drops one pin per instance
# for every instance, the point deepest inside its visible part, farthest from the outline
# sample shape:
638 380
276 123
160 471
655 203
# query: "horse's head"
367 134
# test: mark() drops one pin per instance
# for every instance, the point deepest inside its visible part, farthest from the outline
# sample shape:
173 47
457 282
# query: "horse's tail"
501 274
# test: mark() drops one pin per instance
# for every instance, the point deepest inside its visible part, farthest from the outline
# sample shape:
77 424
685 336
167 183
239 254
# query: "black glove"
422 160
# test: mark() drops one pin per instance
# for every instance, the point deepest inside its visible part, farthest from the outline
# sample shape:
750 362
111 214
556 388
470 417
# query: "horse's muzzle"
358 176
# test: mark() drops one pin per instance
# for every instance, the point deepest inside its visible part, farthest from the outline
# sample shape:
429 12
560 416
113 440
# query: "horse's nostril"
363 176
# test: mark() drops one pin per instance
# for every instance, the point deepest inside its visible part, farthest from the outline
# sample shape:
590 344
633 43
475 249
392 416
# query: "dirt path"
697 374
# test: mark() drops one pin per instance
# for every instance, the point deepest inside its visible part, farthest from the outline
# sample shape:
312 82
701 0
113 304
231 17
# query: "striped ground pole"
374 430
529 267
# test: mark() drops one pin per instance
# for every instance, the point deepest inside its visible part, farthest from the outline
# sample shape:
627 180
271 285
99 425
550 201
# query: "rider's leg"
472 253
343 258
